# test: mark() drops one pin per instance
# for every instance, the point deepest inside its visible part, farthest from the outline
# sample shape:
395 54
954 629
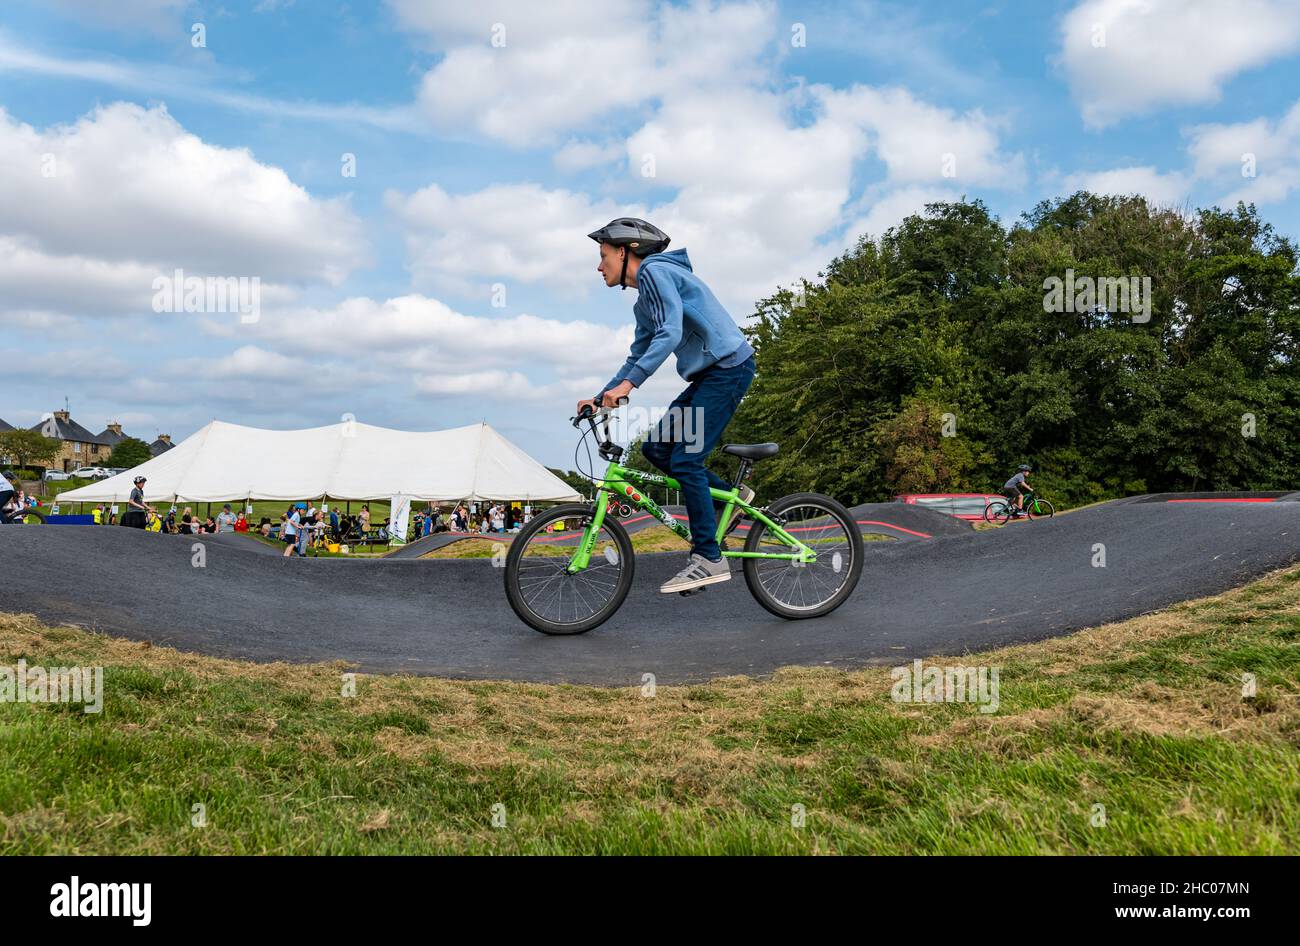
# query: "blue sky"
449 280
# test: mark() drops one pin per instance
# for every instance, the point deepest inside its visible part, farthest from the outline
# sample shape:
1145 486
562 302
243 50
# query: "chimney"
165 438
116 427
62 416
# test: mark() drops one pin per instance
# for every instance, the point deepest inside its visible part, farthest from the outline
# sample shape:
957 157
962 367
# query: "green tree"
29 447
949 313
128 453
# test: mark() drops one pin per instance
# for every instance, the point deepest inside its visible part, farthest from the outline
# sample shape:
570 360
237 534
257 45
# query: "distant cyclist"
1016 488
676 313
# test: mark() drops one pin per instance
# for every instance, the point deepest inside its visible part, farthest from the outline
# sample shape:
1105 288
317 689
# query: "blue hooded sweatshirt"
675 312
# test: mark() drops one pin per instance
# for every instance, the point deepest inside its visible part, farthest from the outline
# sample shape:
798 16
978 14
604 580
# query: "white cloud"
130 183
889 208
91 213
1171 188
157 16
544 364
416 330
1229 154
580 155
163 80
505 232
762 180
1167 52
553 66
919 142
522 73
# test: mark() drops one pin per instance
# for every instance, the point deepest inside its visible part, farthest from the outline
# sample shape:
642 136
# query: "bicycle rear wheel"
795 590
545 594
993 510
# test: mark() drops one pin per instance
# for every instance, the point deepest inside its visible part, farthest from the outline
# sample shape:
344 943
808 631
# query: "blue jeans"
679 445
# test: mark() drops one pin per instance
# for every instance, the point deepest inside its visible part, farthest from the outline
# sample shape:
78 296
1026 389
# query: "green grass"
1145 718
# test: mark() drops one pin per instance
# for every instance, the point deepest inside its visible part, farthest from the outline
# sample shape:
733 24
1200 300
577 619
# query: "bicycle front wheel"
797 590
541 589
1040 509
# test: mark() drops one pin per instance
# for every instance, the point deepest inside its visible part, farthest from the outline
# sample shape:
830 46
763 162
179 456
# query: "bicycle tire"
993 510
521 592
1040 509
753 567
18 519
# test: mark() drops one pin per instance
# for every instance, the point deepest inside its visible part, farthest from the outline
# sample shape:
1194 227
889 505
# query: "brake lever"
594 413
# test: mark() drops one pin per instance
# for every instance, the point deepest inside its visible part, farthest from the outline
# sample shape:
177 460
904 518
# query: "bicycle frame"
629 485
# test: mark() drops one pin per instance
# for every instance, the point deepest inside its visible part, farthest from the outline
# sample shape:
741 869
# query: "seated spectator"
226 519
241 522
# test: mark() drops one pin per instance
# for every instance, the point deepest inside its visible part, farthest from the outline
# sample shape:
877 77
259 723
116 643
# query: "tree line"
1118 347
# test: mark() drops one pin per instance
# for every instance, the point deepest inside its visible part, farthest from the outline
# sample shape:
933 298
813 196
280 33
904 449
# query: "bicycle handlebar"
594 412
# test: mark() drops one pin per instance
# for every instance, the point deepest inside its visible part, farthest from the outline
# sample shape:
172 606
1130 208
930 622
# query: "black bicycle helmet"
637 235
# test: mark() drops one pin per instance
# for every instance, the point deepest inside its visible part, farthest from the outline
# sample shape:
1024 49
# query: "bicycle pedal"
693 591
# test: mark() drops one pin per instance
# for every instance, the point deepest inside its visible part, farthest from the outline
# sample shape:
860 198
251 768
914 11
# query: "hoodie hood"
676 257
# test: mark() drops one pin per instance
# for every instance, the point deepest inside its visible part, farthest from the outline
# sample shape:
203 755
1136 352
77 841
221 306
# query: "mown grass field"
1146 718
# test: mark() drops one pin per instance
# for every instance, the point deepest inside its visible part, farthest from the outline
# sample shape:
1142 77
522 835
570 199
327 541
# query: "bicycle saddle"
752 451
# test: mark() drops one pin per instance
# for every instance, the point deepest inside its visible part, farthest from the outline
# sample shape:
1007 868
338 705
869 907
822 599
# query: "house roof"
160 446
107 435
68 430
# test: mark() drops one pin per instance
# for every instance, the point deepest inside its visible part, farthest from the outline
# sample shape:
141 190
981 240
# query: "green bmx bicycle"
1004 511
570 568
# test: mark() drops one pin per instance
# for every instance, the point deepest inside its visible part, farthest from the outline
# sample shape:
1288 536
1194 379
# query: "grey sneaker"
699 571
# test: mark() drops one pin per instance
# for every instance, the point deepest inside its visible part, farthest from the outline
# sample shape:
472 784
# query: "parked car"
90 473
968 506
56 475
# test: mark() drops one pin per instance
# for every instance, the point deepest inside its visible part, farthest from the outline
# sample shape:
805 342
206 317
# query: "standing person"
291 522
187 521
305 533
226 519
97 515
365 518
137 513
676 313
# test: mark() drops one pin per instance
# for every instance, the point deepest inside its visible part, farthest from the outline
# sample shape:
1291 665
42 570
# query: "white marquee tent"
348 461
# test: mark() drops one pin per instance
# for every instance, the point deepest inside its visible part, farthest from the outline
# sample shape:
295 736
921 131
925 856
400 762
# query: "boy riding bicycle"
677 313
1016 488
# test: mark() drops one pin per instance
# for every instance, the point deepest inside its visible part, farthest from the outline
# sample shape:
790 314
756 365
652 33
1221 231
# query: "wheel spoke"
803 587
